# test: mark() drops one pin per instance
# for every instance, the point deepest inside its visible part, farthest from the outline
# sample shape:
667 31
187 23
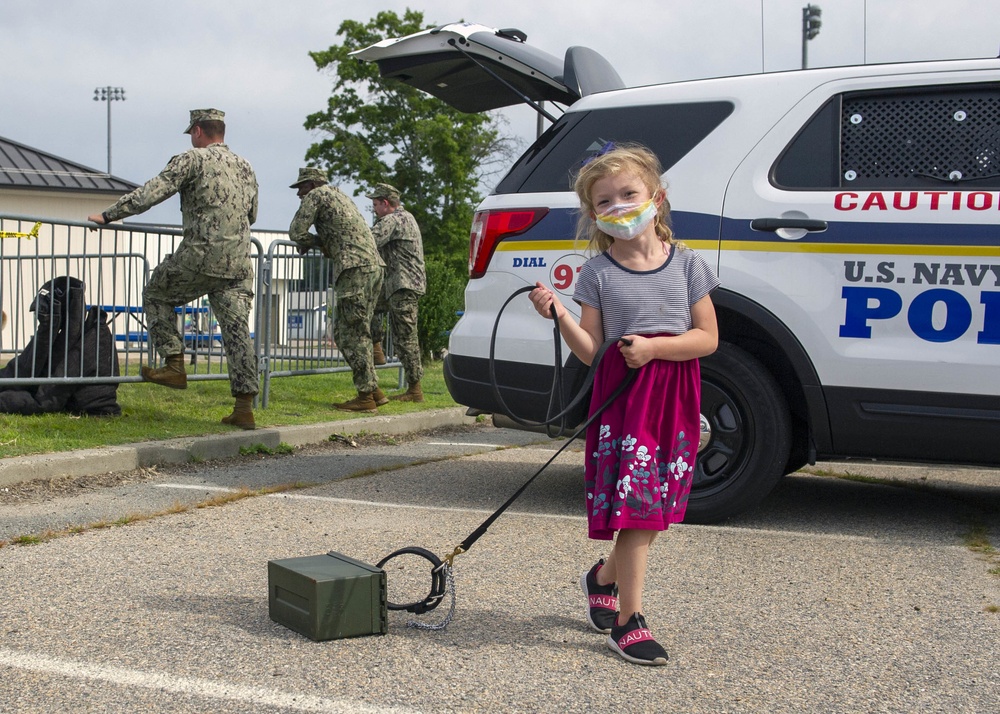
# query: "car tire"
750 436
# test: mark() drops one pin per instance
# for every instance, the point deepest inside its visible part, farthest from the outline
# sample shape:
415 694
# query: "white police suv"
851 213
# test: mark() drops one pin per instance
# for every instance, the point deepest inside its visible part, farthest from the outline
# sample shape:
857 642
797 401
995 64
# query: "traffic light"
810 21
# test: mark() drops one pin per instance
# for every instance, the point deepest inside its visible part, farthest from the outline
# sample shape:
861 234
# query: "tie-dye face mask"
627 220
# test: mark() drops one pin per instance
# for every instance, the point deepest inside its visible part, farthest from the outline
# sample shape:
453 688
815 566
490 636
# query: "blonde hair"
619 159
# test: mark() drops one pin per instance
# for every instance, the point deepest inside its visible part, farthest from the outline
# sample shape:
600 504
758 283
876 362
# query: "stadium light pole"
109 94
810 28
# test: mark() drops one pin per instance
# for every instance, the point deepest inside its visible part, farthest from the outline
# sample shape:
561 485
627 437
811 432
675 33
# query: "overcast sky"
250 58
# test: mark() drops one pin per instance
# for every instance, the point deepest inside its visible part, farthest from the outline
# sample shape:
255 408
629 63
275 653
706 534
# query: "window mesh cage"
921 139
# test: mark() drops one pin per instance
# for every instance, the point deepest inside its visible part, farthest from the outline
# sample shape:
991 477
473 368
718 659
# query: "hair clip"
608 146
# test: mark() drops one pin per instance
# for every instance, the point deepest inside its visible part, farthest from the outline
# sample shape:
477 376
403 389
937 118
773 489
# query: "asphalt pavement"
833 596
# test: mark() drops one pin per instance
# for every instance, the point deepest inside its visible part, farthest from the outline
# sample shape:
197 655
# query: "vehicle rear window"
915 138
670 130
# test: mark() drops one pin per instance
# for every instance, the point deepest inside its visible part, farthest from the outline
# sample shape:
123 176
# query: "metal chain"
450 579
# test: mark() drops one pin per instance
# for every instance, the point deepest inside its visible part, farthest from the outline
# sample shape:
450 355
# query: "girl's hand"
543 299
636 350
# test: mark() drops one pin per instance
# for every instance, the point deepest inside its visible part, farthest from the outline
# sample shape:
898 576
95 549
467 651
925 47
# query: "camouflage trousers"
402 309
357 290
171 286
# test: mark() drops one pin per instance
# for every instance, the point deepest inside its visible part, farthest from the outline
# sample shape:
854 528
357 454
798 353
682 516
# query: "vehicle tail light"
491 227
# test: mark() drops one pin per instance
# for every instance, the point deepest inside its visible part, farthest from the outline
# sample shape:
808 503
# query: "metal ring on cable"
438 582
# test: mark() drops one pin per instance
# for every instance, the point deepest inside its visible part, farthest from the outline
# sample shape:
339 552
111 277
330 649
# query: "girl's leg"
626 565
630 637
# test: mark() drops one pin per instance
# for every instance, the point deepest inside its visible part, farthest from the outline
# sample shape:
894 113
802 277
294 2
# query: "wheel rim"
730 437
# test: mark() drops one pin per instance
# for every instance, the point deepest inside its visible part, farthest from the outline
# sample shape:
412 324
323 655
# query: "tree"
384 130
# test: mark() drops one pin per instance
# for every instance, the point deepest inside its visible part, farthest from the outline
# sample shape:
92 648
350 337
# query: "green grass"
153 413
265 450
978 541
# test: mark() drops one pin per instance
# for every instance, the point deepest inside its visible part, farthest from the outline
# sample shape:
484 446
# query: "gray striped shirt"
635 302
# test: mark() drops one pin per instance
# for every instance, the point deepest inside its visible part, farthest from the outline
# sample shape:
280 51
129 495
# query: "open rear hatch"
476 68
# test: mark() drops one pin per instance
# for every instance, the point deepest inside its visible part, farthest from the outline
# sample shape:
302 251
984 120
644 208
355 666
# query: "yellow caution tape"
33 233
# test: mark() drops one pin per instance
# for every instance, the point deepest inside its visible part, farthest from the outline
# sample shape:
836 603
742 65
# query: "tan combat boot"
378 354
379 396
171 374
242 415
413 394
361 403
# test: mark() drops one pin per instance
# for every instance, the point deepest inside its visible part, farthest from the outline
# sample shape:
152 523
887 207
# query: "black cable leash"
442 579
481 530
436 593
556 393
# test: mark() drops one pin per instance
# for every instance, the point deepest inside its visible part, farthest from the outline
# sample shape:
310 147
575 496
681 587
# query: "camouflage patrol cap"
310 174
384 190
198 115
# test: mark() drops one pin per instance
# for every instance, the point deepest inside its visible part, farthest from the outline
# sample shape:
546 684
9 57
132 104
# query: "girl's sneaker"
602 600
635 643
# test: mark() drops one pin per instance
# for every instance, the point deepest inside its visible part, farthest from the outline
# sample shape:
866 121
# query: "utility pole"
810 28
109 94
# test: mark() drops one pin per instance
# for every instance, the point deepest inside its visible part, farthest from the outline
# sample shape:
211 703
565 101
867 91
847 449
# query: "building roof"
24 167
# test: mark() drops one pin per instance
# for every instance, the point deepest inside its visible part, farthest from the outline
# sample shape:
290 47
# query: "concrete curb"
87 462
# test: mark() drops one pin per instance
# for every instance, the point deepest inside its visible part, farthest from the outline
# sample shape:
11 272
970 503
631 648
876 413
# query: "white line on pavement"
680 526
255 696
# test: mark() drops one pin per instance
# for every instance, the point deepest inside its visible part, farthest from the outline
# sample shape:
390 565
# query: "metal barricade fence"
289 320
299 311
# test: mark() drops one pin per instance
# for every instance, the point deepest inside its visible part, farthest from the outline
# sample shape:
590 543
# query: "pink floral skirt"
641 450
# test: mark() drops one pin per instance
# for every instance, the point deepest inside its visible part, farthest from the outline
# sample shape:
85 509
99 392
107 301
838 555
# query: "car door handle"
773 224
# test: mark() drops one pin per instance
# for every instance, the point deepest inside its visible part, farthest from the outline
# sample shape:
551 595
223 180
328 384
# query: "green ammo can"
327 597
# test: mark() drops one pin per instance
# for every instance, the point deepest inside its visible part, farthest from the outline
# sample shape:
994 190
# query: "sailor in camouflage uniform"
399 242
218 191
343 236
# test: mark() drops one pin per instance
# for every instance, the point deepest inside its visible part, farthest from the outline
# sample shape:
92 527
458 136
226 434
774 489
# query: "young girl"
651 294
